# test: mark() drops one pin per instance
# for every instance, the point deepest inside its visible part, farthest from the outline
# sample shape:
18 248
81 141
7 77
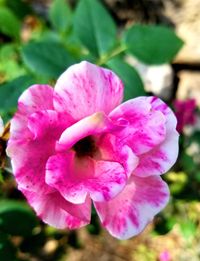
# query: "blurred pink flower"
76 143
164 256
185 113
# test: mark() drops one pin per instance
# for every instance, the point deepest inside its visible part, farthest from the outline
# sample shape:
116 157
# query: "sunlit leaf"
47 58
131 79
16 218
187 162
10 92
152 44
60 15
94 27
188 229
9 23
20 8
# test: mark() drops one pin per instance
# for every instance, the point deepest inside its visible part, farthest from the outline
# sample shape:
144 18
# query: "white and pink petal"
30 154
145 127
75 177
161 158
95 124
85 88
112 149
54 210
128 214
35 98
158 105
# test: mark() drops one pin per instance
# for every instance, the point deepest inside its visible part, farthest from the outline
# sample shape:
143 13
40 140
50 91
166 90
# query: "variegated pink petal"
48 124
128 214
76 177
94 124
85 88
30 154
158 105
35 98
54 210
111 149
145 127
162 157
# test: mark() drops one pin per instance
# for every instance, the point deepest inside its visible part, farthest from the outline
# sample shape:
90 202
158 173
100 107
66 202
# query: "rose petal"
29 155
158 105
85 88
145 126
128 214
110 179
97 123
57 212
76 177
48 124
162 157
35 98
111 149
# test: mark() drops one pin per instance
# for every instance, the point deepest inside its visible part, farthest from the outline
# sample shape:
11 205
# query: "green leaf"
9 23
47 58
197 176
195 137
152 44
188 229
131 79
187 162
2 2
60 15
7 250
10 68
10 92
94 27
20 8
16 218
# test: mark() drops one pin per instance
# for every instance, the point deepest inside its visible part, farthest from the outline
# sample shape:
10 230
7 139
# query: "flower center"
85 147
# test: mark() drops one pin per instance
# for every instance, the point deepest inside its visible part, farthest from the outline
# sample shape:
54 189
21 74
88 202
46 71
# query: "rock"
185 16
189 86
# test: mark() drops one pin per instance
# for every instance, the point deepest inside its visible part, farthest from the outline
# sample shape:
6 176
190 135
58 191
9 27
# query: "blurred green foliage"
40 48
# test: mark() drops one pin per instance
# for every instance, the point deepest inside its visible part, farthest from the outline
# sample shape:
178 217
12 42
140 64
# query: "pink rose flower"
164 256
185 113
75 144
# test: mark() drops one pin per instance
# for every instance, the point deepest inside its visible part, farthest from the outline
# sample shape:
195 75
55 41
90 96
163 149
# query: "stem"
107 57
